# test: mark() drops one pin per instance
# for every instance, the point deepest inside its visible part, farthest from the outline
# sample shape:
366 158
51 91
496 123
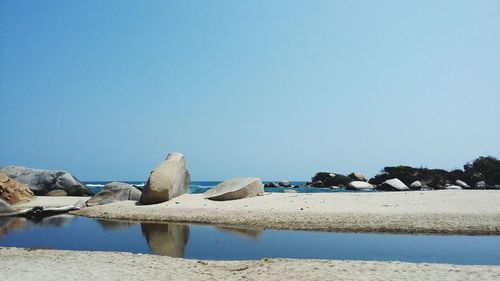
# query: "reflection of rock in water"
253 233
10 224
56 221
166 239
114 225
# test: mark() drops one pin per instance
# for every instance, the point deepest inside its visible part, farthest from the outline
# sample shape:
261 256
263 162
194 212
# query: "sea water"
202 186
196 241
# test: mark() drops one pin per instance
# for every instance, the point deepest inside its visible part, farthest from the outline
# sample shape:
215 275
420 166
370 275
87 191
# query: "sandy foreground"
22 264
447 211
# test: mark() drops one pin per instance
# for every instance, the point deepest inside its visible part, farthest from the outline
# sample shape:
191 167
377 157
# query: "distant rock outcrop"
236 188
168 180
115 192
484 172
42 181
13 191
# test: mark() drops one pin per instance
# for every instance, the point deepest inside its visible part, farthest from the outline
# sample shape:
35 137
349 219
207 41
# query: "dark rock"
271 184
435 178
285 183
42 181
357 177
329 179
115 192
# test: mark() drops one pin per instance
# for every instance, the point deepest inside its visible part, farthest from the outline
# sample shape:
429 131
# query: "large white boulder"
394 185
168 180
356 185
235 188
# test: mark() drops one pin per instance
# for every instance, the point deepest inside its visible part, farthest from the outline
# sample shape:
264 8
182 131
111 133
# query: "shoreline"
437 212
43 264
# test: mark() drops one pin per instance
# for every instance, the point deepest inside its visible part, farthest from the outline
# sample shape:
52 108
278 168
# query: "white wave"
94 185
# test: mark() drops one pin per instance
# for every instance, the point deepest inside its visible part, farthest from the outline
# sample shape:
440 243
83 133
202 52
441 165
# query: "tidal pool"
216 243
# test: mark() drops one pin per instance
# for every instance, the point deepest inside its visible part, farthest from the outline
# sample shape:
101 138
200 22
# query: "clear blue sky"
274 89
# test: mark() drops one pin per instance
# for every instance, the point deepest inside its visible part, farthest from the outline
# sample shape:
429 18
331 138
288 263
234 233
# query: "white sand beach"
36 264
447 211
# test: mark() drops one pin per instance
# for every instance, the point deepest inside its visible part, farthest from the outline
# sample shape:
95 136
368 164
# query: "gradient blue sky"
274 89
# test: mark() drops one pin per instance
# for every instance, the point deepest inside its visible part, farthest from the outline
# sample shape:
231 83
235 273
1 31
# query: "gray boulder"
416 185
285 183
236 188
42 181
462 184
394 185
114 192
357 177
5 207
168 180
357 185
453 187
480 185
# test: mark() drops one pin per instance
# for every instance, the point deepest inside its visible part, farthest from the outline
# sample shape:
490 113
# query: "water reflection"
115 225
253 233
221 243
10 224
166 239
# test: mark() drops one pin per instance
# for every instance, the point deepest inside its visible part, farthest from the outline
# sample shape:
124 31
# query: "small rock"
56 192
480 185
453 187
462 184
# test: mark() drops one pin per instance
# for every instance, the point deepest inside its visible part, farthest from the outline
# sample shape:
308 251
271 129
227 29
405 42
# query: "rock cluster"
43 181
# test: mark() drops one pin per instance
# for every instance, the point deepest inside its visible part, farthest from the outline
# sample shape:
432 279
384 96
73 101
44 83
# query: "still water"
215 243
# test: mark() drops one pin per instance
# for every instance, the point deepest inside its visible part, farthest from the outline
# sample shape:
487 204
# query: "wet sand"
22 264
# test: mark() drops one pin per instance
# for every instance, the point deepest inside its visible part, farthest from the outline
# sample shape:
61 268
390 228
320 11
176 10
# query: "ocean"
202 186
